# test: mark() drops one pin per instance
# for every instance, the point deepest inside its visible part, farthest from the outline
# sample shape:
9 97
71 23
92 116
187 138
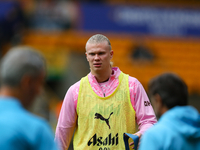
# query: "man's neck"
103 77
11 92
8 91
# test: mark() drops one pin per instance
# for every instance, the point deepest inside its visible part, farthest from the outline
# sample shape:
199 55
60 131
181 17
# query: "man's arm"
145 115
67 121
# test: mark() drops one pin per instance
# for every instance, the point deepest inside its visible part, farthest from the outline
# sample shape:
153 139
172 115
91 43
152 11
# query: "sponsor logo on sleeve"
147 103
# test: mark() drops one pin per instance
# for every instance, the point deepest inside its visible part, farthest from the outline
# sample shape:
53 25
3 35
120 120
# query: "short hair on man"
98 38
171 88
20 61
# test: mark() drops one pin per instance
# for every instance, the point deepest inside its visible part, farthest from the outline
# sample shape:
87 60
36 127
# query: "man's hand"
132 143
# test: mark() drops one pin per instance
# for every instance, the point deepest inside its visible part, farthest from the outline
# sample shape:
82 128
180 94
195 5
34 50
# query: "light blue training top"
21 130
177 129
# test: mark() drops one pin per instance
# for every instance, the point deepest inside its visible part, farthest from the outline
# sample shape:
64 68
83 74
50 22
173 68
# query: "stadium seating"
178 55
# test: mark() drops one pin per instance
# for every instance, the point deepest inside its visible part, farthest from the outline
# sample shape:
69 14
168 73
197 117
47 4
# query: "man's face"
99 56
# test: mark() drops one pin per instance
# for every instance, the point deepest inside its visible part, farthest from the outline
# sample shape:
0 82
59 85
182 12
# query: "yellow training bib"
103 120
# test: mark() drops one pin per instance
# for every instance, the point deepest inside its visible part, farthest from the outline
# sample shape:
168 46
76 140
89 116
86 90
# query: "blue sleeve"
149 141
46 138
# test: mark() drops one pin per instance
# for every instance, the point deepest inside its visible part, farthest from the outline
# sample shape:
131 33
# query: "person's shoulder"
134 80
75 86
24 122
34 121
158 130
20 115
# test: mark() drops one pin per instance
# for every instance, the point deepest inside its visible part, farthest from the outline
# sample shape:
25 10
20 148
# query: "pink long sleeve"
67 120
145 116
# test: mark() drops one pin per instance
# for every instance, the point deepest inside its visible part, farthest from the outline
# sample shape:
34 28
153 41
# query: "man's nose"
96 57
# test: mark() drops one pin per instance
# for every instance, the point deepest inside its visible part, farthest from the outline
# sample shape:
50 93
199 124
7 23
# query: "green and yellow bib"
103 120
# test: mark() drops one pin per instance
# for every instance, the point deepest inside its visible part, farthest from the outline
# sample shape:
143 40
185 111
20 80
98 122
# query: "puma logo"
99 116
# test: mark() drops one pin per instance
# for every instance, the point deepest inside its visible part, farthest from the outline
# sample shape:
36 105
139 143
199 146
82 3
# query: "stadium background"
148 37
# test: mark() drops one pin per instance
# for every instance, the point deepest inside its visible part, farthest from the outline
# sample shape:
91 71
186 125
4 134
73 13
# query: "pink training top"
145 116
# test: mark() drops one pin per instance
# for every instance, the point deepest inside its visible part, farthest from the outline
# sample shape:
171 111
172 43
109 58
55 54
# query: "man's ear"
26 81
111 54
86 56
158 101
